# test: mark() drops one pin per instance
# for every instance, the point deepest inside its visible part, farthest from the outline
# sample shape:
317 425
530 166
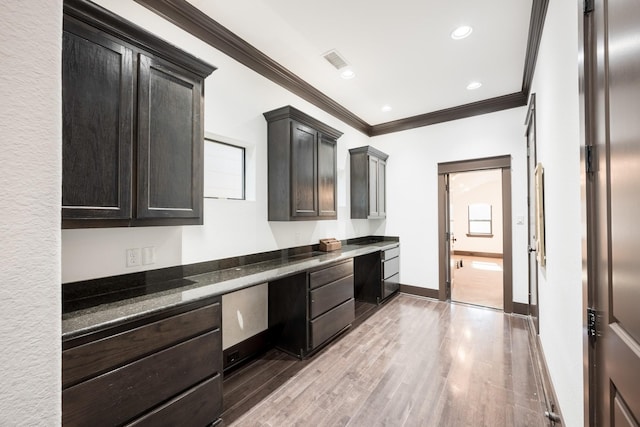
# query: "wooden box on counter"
331 244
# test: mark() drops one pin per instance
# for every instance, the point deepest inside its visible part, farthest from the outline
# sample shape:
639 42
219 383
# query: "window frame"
243 174
473 220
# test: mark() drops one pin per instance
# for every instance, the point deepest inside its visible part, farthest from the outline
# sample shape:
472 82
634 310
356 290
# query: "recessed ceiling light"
461 32
386 108
347 74
473 85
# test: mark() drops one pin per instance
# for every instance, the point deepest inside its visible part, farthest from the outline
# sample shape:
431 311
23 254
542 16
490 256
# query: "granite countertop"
205 285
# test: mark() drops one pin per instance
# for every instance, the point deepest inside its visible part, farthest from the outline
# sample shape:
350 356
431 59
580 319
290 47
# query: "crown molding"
194 21
191 19
536 25
491 105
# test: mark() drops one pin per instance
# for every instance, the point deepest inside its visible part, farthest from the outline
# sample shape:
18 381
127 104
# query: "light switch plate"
149 255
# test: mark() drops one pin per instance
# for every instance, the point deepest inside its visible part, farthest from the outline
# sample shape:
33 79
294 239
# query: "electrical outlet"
149 255
133 257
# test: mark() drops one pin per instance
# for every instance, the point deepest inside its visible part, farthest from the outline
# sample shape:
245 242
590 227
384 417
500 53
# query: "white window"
480 219
224 170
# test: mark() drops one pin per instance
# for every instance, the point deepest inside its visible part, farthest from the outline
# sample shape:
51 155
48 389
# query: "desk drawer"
390 285
194 407
391 253
330 274
331 295
390 267
97 357
332 322
120 395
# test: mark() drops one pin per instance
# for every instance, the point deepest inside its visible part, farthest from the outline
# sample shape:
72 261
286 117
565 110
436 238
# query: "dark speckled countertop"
197 287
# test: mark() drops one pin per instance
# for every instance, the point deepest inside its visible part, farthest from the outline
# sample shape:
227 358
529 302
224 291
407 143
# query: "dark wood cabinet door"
382 188
304 191
97 98
170 141
327 191
373 187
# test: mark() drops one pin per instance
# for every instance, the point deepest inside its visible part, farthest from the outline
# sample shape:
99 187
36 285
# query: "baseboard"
238 353
480 254
550 396
520 308
417 290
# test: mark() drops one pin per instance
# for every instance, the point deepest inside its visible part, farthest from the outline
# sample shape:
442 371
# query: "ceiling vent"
335 59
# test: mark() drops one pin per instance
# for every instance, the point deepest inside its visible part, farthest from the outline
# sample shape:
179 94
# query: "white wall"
467 188
235 98
30 126
560 284
412 196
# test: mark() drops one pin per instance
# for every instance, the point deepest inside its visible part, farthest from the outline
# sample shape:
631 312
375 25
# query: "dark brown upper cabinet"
368 183
301 167
133 130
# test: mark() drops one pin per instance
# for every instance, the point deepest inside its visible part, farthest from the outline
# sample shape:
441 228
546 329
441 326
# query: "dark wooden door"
613 101
304 172
531 202
170 142
97 98
327 177
449 238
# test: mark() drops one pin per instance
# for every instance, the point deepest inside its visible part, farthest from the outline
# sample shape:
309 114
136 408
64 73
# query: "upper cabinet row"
132 108
133 130
302 171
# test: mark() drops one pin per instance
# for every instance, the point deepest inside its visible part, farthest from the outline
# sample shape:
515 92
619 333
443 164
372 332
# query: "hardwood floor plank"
413 362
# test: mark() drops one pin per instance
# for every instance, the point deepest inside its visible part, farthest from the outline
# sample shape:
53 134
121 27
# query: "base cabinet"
377 275
160 373
308 309
390 260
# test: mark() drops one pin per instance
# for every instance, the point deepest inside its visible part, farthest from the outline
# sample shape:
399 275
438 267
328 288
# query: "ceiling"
401 52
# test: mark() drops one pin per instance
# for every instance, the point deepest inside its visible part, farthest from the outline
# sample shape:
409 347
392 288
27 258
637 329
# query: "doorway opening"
475 224
476 219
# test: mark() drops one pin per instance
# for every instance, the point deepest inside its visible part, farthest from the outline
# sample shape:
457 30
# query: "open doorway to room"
474 217
475 206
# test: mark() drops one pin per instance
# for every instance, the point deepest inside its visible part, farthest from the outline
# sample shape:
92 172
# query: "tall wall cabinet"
302 166
368 183
132 112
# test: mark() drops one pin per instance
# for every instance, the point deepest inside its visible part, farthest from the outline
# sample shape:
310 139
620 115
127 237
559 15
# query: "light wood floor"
478 281
414 362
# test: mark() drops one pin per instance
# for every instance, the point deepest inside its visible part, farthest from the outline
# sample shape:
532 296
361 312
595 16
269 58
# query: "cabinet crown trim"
116 26
370 151
289 112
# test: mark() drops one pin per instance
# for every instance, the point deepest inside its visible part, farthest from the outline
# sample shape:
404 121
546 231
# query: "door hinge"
588 6
589 158
592 321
